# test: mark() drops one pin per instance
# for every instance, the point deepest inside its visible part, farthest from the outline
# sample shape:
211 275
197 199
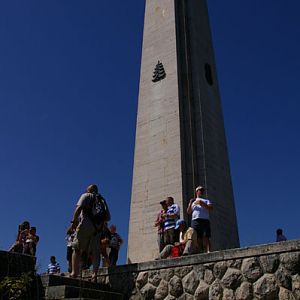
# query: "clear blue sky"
69 73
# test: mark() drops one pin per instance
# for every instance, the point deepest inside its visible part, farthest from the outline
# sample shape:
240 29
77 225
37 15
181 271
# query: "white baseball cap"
199 188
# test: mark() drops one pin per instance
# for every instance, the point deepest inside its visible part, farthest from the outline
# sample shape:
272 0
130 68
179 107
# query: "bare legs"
206 244
76 263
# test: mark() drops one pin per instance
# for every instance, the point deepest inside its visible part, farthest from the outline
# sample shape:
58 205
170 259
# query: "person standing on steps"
89 216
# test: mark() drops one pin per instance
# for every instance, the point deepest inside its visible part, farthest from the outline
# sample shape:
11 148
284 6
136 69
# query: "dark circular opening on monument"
208 74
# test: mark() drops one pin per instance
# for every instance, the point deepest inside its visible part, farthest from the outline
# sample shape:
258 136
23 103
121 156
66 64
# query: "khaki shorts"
86 238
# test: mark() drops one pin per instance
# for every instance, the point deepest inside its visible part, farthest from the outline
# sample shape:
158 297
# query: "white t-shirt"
200 212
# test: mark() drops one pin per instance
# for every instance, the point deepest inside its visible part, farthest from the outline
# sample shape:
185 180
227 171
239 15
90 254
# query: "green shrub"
16 288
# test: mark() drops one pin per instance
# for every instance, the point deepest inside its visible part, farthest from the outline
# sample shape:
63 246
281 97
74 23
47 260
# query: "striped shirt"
170 221
53 268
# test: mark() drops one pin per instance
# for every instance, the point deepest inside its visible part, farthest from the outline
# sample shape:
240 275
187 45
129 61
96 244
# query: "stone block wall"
261 272
14 264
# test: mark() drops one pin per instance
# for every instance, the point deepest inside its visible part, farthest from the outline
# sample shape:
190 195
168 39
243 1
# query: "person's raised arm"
208 206
76 215
175 213
189 208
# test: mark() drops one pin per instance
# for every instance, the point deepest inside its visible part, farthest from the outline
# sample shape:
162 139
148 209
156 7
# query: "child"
53 267
115 244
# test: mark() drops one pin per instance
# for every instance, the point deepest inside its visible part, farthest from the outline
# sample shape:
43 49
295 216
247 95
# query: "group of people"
110 243
26 241
89 237
175 238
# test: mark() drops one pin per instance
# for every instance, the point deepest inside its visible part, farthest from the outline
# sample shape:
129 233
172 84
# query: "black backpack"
100 211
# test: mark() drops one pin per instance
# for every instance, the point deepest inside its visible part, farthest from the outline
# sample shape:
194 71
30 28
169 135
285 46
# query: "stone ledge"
14 264
270 271
223 255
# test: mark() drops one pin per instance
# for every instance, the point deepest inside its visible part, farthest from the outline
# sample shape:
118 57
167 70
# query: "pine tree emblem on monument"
159 72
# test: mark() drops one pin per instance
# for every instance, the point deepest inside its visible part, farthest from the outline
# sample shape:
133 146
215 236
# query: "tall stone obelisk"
180 137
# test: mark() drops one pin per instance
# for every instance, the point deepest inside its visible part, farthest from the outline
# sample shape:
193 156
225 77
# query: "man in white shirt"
200 208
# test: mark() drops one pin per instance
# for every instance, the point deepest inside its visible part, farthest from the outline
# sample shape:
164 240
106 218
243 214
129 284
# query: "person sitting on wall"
279 235
19 244
187 242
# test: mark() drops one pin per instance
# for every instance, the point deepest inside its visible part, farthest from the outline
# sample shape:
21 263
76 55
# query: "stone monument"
180 136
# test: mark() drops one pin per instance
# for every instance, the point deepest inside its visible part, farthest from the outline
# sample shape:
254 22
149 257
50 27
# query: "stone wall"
261 272
14 264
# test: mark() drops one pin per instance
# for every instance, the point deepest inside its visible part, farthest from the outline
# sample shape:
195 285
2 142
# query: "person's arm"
69 230
209 206
158 220
190 208
76 215
120 240
176 212
11 249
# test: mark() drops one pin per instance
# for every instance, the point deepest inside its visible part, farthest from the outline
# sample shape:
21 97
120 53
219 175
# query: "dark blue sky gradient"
69 74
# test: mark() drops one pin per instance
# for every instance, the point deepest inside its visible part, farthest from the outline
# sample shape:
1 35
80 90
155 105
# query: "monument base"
270 271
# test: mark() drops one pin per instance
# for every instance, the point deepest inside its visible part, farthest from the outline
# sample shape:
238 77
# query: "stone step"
80 298
66 292
56 280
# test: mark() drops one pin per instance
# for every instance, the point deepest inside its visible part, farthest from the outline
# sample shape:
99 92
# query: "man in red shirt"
159 223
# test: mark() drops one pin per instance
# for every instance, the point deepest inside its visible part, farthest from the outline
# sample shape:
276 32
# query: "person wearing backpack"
90 213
